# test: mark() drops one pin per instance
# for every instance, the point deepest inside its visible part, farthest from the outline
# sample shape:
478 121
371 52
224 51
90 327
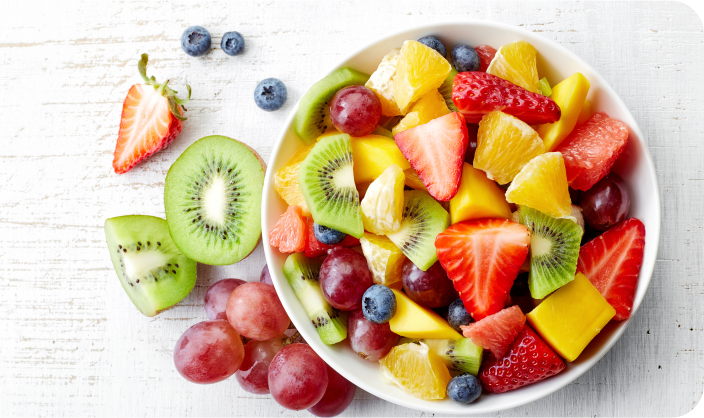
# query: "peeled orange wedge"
516 63
432 105
384 258
419 70
417 370
542 185
382 206
286 180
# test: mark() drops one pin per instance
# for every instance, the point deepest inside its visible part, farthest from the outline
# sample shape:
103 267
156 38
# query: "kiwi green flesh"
313 115
212 197
302 275
554 250
326 180
382 132
446 90
460 356
423 219
151 269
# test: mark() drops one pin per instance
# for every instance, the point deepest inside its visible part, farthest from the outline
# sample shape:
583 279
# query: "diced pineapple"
381 83
569 94
372 154
419 70
384 258
382 206
432 105
478 197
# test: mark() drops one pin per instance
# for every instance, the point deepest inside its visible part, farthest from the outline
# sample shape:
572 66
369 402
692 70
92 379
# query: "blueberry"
464 388
270 94
195 41
465 58
457 315
435 43
327 235
379 304
232 43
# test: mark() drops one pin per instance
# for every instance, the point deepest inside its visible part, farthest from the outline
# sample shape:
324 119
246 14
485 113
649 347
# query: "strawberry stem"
175 103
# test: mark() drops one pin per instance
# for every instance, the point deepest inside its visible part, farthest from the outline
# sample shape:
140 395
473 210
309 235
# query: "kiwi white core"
540 246
139 264
343 176
215 201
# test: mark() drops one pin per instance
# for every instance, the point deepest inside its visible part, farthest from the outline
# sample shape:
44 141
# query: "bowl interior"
635 166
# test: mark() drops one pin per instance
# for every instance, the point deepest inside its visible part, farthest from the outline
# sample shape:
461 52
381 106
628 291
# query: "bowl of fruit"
455 217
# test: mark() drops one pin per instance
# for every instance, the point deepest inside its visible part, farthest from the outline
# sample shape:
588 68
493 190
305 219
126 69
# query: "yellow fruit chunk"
384 258
382 206
569 94
372 154
328 132
478 197
432 105
413 180
504 145
516 63
286 180
571 317
585 113
414 321
419 70
416 369
542 185
381 83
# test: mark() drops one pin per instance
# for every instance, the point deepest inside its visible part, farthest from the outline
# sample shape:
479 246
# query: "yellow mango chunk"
413 180
585 113
328 132
419 70
381 83
384 258
414 321
478 197
569 94
432 105
372 154
571 317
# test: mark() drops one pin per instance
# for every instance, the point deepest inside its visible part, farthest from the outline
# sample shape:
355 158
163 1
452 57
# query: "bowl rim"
647 267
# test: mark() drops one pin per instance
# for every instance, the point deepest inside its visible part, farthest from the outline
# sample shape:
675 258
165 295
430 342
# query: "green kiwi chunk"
446 90
326 180
554 250
151 269
423 219
382 132
460 356
302 275
213 198
313 115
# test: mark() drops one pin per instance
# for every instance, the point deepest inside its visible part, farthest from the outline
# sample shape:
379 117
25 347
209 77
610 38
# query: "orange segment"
417 370
384 258
419 70
516 63
542 185
432 105
286 180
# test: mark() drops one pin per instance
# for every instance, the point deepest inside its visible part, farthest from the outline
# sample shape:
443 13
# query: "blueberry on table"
433 42
464 388
195 41
327 235
457 315
232 43
270 94
379 304
465 58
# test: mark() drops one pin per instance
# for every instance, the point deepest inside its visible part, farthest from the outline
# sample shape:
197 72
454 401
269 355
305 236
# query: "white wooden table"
71 342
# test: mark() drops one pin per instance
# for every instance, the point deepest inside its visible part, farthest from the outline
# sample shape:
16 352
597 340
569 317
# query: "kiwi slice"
554 250
313 115
302 274
151 269
446 90
460 356
382 132
326 180
423 220
213 198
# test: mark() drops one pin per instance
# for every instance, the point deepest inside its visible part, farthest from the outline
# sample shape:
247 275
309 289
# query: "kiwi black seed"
460 356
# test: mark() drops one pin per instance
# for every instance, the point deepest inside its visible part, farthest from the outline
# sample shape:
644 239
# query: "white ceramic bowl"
635 166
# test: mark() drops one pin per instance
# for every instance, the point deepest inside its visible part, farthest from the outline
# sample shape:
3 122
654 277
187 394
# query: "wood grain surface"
71 342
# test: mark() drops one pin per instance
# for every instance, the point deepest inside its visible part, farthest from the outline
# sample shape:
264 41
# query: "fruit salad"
450 213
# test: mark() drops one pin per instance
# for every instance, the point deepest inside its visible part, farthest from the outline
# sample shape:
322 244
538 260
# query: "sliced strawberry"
486 54
475 94
436 151
289 233
482 257
528 360
612 262
496 332
315 248
151 120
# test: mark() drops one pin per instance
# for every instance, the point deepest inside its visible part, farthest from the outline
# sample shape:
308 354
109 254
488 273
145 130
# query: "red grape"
606 203
253 374
297 377
355 110
256 312
431 288
265 277
208 352
344 276
338 396
369 340
216 297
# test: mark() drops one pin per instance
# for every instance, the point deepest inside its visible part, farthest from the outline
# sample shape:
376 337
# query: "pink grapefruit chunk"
496 332
289 233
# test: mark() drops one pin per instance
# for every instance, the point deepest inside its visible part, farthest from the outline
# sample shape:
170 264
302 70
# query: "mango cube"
569 94
414 321
585 113
478 197
384 258
372 154
571 317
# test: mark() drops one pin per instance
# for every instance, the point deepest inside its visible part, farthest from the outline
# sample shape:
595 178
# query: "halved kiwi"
460 356
151 269
446 90
554 250
423 220
326 179
213 198
313 115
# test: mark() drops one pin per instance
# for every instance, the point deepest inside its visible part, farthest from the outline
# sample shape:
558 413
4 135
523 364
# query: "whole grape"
216 297
255 311
607 203
355 110
253 374
208 352
338 396
369 340
431 288
344 277
298 377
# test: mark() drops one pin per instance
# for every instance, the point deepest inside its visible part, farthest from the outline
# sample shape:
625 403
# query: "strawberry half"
528 360
151 119
482 257
436 151
476 93
612 262
315 248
